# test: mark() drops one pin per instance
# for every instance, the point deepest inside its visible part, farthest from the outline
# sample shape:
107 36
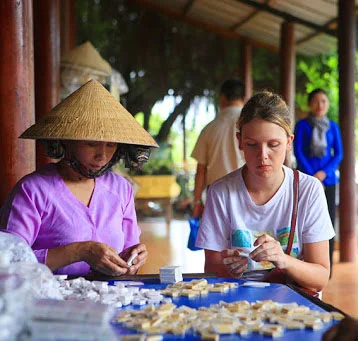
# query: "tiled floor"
167 246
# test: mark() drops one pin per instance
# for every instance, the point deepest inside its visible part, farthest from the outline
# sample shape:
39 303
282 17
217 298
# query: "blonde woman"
247 219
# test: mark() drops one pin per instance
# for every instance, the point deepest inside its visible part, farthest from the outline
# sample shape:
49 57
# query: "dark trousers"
330 192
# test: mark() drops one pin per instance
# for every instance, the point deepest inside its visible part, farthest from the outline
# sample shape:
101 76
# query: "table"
276 292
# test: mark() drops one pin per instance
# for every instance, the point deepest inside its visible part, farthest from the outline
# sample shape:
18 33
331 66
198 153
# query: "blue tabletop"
275 292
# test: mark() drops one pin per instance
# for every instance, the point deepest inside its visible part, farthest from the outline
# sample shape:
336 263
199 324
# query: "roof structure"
259 21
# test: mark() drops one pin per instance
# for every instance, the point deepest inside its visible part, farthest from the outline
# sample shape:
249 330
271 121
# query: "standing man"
217 149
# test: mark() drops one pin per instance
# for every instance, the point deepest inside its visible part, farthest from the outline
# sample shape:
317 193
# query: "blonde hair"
266 106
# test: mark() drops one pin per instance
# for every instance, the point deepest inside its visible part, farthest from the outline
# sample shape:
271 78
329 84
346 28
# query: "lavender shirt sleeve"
43 211
21 215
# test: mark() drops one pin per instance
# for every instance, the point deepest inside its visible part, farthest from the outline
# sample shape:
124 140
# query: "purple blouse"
43 211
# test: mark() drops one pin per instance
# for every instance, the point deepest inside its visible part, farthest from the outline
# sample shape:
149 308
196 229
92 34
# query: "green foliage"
155 122
265 70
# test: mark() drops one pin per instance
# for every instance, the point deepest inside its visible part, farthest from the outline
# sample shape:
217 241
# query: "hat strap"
87 172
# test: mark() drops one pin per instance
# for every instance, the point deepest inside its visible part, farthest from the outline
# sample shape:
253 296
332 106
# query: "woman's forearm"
308 275
65 255
218 269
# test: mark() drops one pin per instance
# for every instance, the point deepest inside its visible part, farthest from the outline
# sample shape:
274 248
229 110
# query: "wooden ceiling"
259 21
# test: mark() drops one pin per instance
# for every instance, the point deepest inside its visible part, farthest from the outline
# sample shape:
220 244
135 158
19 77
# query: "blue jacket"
328 163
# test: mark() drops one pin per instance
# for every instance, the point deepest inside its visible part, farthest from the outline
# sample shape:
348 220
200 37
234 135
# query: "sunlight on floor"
168 246
342 289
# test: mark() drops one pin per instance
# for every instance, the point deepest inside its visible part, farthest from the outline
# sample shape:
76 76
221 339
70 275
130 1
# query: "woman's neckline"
261 197
69 175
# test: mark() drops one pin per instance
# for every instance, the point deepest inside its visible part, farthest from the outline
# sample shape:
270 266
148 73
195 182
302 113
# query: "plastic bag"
43 283
14 249
15 304
194 224
17 258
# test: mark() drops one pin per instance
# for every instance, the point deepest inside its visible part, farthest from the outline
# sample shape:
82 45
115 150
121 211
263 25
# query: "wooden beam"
288 17
244 21
247 19
328 24
331 24
188 7
226 33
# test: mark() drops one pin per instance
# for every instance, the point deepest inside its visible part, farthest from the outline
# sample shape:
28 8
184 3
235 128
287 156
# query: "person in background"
318 150
247 218
215 150
76 214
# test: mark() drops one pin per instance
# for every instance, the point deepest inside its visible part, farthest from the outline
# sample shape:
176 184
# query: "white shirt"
217 146
232 220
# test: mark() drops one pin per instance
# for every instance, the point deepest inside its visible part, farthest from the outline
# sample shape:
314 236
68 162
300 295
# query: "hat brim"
92 114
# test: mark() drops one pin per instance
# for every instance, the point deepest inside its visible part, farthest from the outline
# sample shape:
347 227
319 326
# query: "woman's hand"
234 263
103 258
198 210
269 250
139 260
320 175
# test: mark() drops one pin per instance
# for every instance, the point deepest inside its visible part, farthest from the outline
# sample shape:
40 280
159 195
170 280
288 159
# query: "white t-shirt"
232 220
217 146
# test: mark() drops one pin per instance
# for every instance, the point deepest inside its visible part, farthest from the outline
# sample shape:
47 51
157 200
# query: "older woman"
77 214
248 226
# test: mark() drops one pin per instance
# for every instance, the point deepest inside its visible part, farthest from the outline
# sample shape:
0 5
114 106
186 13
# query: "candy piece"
131 258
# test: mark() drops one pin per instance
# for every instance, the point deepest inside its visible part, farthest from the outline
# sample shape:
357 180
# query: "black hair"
315 92
233 89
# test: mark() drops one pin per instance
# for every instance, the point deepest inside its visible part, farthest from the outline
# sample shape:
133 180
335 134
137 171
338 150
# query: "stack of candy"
123 293
170 274
71 320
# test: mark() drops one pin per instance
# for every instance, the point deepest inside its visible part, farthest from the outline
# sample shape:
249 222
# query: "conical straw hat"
86 56
91 113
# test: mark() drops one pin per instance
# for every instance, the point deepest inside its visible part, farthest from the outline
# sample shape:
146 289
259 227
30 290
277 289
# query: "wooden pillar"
346 67
16 92
287 73
68 25
47 62
246 68
185 158
288 65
